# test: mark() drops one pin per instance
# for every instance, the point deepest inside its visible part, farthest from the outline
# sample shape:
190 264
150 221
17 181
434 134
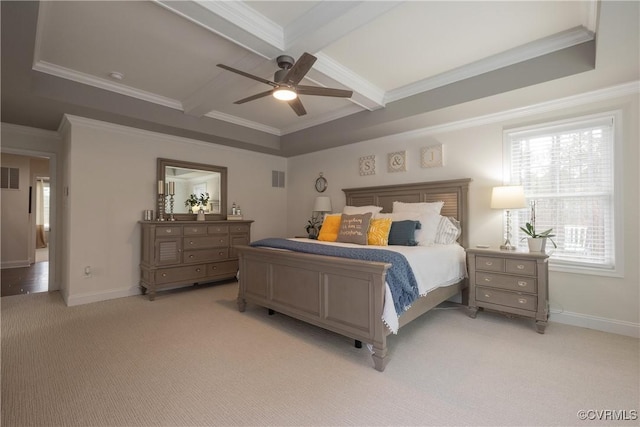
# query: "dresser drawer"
518 266
502 281
180 274
226 268
488 263
195 230
240 228
218 229
206 255
205 242
506 298
168 231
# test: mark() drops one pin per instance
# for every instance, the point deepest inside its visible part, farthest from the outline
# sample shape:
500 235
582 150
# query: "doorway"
25 264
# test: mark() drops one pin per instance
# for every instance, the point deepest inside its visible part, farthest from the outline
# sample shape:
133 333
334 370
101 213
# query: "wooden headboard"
453 192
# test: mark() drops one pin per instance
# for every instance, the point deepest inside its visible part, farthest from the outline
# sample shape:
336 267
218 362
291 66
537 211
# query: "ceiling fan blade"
297 106
252 97
251 76
323 91
300 68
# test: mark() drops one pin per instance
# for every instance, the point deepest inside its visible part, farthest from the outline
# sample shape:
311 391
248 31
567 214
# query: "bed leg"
271 312
242 304
358 344
379 358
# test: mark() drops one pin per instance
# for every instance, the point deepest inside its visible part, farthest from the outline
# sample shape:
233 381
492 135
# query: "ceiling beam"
319 27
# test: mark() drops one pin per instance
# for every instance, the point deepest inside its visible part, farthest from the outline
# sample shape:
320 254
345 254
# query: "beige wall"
474 151
111 177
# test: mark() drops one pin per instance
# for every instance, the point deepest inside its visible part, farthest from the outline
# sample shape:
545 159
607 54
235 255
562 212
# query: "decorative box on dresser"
510 282
178 253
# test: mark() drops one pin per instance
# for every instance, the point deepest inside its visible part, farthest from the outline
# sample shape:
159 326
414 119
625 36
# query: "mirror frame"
222 170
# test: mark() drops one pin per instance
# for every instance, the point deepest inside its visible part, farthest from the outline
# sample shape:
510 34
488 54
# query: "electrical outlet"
87 271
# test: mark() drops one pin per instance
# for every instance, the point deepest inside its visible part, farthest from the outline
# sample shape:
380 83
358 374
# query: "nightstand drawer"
506 298
518 266
513 283
488 263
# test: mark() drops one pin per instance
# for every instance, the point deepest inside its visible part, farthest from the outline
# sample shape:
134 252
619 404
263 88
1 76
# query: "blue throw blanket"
400 277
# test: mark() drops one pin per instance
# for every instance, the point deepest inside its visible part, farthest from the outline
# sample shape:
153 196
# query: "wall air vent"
277 179
10 178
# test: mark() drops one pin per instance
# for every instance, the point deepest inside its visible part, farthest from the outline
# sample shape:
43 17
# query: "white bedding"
433 266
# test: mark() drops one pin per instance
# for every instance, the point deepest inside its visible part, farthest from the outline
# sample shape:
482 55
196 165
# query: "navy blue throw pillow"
403 233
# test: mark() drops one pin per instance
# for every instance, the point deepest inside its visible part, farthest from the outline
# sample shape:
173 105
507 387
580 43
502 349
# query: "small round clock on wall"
321 183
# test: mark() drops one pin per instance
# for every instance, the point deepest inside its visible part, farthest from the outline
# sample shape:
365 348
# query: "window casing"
569 169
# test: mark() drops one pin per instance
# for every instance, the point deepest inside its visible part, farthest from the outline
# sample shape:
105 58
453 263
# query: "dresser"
176 253
511 282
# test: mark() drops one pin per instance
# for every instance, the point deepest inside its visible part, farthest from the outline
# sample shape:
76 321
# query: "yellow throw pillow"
379 232
330 228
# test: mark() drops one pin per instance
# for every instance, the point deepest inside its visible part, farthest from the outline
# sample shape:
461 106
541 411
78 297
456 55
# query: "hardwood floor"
25 280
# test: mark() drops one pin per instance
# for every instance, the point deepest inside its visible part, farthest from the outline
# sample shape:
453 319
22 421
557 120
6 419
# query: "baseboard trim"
619 327
101 296
15 264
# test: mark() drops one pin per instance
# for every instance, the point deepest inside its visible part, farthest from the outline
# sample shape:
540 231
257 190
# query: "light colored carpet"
190 358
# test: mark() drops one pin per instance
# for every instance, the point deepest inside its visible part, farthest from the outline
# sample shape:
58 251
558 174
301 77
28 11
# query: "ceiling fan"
285 84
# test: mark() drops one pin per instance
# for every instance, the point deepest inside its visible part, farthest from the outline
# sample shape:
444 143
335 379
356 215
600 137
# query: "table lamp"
508 197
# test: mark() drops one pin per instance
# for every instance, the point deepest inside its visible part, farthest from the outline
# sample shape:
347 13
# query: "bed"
347 296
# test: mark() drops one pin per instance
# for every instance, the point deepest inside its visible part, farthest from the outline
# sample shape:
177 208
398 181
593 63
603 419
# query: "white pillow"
426 235
359 210
448 231
421 207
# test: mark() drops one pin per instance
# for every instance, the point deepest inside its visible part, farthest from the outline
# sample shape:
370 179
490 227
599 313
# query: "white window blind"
568 170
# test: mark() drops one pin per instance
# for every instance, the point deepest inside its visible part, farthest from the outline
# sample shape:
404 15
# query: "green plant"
313 224
530 228
203 200
192 201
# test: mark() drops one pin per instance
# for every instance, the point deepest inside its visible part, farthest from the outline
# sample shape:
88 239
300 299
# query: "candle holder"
161 207
171 218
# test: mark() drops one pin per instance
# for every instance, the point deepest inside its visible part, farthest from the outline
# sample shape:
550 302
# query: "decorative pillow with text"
354 228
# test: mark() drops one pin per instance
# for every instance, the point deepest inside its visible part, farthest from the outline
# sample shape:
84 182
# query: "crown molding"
76 76
553 43
598 95
243 122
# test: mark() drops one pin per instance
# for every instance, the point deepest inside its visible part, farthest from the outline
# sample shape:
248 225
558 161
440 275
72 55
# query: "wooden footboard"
345 296
342 295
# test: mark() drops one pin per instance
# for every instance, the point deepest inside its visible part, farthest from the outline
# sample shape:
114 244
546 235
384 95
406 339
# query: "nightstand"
511 282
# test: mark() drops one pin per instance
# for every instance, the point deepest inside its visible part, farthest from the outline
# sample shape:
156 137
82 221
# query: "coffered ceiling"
152 64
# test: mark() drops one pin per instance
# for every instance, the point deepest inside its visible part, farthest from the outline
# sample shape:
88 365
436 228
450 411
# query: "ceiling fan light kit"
285 84
284 93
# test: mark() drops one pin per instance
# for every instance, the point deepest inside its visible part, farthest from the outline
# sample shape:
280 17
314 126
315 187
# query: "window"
567 168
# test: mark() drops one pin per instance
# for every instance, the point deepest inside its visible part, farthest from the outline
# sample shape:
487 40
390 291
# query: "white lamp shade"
322 204
508 197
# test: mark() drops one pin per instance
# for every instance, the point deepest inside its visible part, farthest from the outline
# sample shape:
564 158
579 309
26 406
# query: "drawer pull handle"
168 230
522 283
191 256
215 267
220 253
164 274
486 295
489 263
197 270
221 240
191 242
522 300
487 279
520 267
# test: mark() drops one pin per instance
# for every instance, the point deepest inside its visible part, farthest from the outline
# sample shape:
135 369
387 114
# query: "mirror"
194 178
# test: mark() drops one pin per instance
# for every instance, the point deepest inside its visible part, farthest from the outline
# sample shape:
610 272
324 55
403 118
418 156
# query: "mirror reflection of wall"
191 181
